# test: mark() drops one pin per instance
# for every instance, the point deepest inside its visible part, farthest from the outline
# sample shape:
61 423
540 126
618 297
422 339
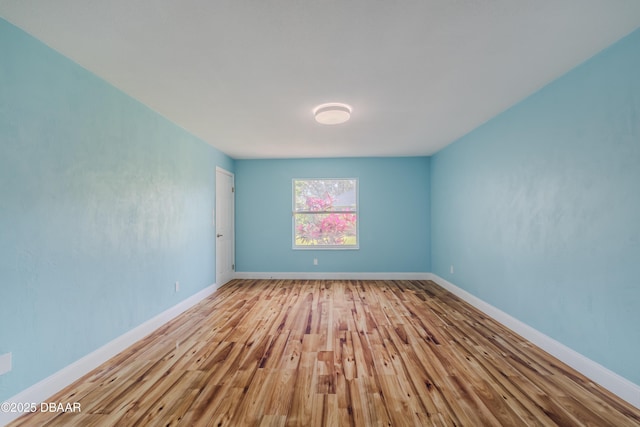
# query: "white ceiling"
244 75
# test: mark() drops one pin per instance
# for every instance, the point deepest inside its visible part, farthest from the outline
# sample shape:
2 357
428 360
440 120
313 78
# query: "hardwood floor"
335 353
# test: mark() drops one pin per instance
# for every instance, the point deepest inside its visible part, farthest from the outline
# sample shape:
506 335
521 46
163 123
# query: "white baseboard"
613 382
49 386
332 276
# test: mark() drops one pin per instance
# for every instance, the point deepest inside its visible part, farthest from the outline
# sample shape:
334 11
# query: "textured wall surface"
394 203
539 210
104 205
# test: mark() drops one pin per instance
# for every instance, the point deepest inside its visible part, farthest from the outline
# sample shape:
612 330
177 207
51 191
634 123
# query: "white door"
224 214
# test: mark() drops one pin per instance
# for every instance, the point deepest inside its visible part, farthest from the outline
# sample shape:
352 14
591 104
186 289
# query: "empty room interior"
320 213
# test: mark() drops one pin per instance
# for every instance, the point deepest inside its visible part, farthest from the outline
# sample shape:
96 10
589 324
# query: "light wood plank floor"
335 353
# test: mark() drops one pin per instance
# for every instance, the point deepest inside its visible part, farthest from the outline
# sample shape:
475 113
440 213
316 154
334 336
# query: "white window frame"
324 247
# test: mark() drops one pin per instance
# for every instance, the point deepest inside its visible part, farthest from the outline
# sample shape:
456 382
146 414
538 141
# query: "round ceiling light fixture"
332 113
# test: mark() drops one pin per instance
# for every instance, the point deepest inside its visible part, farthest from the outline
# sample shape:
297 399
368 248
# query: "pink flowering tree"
318 222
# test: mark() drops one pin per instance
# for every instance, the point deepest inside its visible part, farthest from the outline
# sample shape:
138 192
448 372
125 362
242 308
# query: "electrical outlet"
451 269
177 286
315 261
5 363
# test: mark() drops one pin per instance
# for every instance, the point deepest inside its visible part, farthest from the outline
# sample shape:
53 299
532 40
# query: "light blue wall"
539 210
103 206
394 203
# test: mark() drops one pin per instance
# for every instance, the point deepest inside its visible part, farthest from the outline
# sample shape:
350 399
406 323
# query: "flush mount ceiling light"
332 113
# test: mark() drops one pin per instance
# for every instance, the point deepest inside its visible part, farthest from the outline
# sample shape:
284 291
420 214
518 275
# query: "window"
325 213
